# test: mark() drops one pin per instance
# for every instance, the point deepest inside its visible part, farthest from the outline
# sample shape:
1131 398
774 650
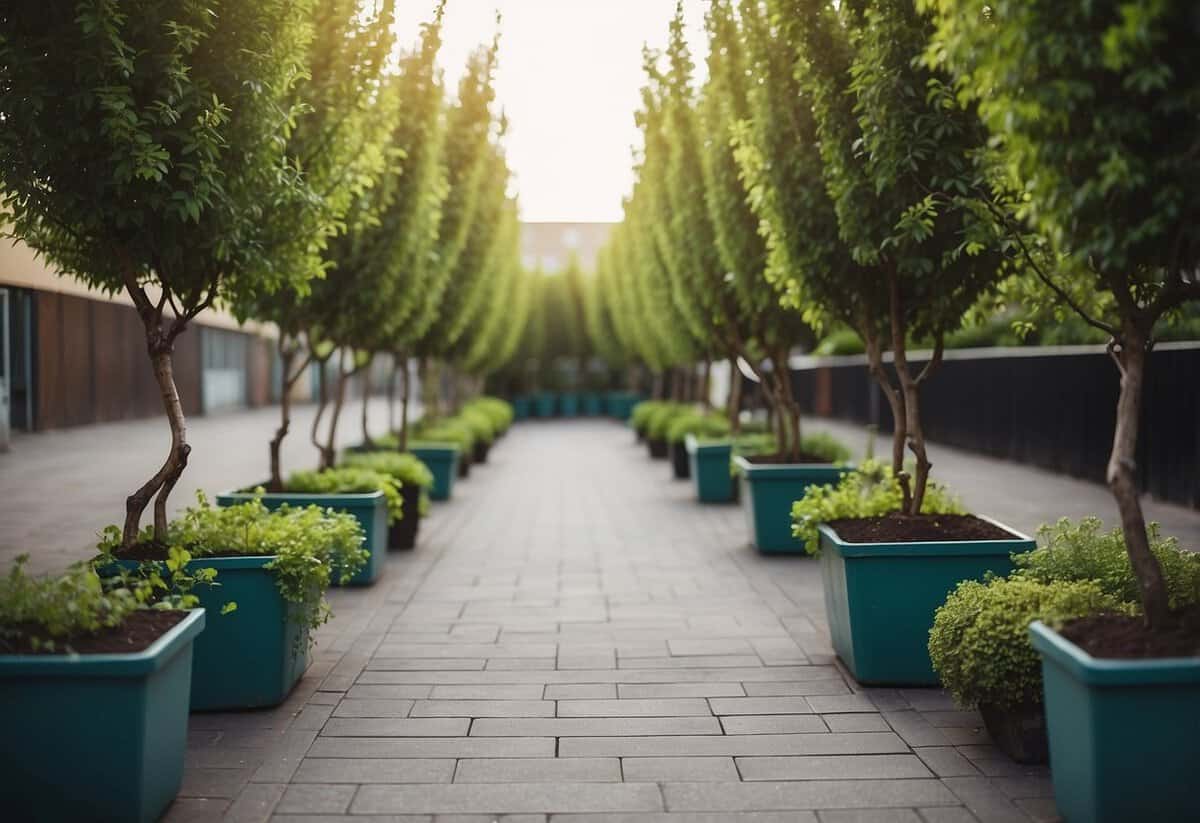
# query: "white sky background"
570 78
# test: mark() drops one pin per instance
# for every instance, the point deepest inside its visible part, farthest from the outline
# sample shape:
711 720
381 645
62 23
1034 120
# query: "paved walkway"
576 640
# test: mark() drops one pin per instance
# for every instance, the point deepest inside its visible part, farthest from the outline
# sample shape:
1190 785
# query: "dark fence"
1053 408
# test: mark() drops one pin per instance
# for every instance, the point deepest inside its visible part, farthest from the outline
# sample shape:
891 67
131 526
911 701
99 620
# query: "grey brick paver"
773 724
433 747
805 794
679 769
483 708
374 770
867 766
488 798
392 727
593 726
633 708
761 705
314 798
540 770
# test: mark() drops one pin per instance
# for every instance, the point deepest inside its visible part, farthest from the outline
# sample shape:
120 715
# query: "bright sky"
569 79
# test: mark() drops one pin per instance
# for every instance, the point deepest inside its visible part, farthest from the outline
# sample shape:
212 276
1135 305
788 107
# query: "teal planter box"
710 470
252 657
96 736
880 598
767 493
442 461
521 406
1124 734
593 406
370 509
620 404
568 404
545 404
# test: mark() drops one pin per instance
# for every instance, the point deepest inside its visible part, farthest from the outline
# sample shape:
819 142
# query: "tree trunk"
287 358
405 390
657 392
366 403
329 450
1122 479
895 402
734 407
391 397
314 435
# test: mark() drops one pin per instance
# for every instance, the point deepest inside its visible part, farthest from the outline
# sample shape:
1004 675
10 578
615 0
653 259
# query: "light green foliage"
349 480
842 341
699 424
447 430
500 412
480 424
1085 551
48 612
979 643
660 418
871 490
639 417
403 468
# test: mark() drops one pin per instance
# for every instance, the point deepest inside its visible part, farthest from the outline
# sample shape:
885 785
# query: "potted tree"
1115 208
95 686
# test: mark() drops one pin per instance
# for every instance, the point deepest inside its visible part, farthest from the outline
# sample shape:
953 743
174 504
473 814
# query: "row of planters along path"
101 665
1042 636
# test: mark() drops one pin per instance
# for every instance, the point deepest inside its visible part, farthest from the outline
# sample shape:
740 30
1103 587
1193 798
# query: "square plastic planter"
658 448
593 406
767 493
370 508
710 469
96 736
1124 734
442 460
568 404
403 533
880 598
545 404
521 406
680 467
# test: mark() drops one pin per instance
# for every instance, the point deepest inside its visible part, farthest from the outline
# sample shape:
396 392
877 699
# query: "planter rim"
928 548
694 446
309 498
434 445
132 664
1101 672
236 561
785 471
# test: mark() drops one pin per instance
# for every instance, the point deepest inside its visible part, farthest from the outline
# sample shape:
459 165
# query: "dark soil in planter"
153 550
1019 731
903 528
1124 637
138 632
658 448
403 533
480 454
785 460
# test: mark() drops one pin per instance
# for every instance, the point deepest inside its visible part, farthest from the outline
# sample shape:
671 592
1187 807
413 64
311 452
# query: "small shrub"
446 430
405 469
701 425
349 480
979 644
500 412
1084 551
868 491
479 423
639 417
826 446
46 613
661 418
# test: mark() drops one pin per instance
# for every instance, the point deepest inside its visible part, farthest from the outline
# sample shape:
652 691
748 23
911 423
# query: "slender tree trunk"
405 390
329 450
366 403
787 399
895 402
314 434
287 358
1122 480
657 392
734 407
391 398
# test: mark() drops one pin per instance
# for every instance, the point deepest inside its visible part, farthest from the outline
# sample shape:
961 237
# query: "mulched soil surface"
1124 637
138 632
903 528
158 551
785 459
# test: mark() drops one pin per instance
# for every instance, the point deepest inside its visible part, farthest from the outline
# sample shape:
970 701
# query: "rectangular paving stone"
801 688
483 708
915 729
485 798
760 705
836 767
315 799
855 722
433 747
373 708
374 770
729 661
841 704
661 690
400 691
805 794
486 651
945 761
702 647
514 691
633 708
579 691
678 769
774 724
593 726
393 727
984 800
741 745
408 664
871 815
752 674
539 770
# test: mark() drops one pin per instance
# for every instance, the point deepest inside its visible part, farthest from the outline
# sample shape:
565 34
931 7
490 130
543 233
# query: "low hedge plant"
500 412
640 416
979 643
405 469
446 430
701 425
869 491
350 480
661 417
479 422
